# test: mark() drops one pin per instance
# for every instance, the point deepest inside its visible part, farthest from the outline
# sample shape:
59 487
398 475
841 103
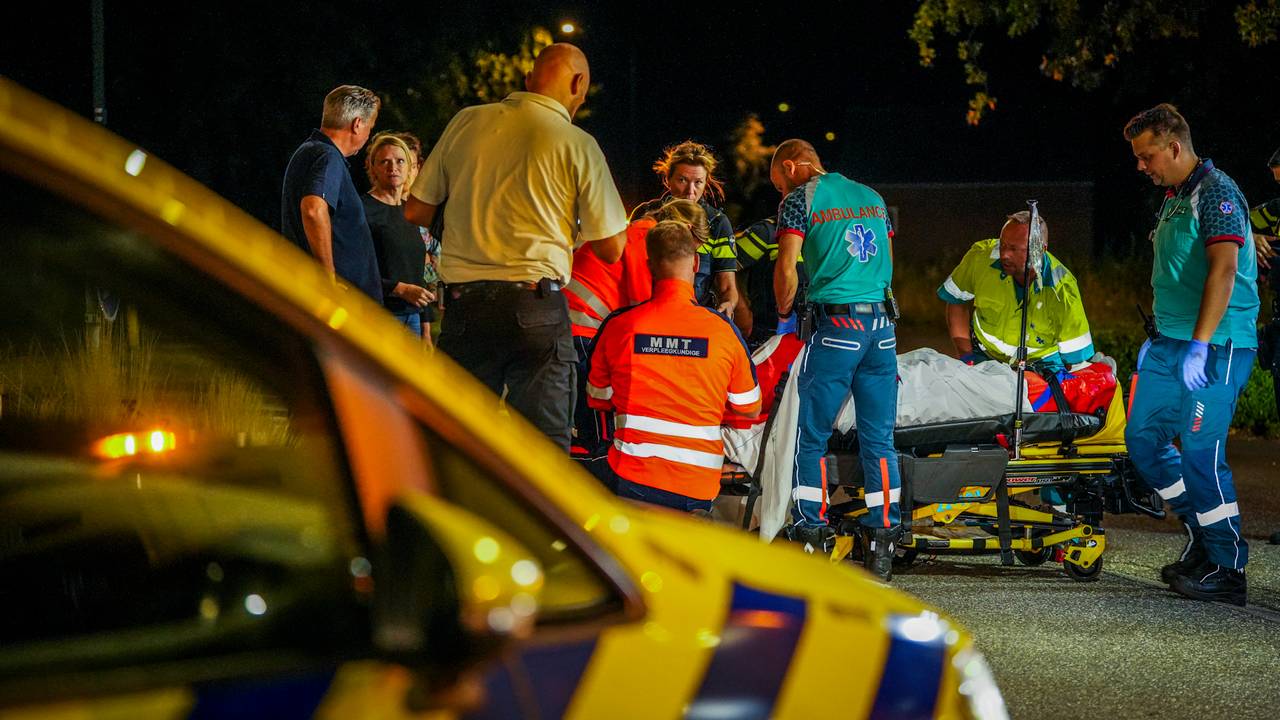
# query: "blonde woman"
396 242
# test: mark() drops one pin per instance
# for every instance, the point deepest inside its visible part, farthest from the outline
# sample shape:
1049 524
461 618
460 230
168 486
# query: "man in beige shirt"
524 185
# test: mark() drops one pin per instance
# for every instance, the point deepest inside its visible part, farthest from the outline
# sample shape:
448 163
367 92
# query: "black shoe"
814 538
879 547
1193 556
1214 583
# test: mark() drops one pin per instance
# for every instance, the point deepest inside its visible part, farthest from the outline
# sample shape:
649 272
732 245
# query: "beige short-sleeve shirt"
524 185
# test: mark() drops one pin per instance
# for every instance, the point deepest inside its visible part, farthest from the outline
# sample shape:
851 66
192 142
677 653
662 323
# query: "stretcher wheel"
1082 574
1032 558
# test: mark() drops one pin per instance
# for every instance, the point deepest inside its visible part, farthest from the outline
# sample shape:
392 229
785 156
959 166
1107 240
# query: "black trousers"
592 429
512 337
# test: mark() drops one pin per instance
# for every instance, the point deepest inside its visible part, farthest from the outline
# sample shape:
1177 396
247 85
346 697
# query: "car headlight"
978 686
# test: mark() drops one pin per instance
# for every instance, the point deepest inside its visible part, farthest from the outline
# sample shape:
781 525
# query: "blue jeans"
855 353
655 496
1196 482
412 320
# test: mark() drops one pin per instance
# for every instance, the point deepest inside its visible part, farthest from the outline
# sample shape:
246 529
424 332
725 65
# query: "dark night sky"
225 92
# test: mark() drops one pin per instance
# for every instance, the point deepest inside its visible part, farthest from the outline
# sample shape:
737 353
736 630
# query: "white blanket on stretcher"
933 388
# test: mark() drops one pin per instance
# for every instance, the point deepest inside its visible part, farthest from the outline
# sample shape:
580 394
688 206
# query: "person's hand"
789 323
1142 353
1266 247
726 308
415 295
1193 376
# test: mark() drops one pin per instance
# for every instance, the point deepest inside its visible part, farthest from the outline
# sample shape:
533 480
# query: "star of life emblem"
862 242
1226 207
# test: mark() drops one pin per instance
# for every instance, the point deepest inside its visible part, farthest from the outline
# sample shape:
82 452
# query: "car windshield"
169 482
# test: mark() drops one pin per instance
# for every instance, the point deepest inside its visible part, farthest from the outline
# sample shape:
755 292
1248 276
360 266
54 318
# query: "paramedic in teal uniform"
1204 275
844 230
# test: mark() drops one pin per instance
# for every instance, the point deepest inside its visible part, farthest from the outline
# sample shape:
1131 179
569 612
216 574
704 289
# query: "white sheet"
933 388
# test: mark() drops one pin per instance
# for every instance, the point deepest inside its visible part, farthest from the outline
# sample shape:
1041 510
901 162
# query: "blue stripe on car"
275 698
912 671
538 682
747 670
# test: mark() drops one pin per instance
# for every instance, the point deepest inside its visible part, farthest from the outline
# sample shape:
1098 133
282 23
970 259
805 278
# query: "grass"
113 385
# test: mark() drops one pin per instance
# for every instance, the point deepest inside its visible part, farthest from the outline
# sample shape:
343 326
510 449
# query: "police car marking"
750 664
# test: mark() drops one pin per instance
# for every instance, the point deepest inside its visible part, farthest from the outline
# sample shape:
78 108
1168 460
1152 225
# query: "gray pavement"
1121 647
1125 646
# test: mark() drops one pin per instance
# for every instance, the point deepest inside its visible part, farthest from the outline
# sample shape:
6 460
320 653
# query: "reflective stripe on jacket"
597 288
671 369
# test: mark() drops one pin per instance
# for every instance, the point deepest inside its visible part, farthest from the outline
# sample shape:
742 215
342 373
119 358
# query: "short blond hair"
688 212
669 241
380 141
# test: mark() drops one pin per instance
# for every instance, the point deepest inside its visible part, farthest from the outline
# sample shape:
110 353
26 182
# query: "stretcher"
964 490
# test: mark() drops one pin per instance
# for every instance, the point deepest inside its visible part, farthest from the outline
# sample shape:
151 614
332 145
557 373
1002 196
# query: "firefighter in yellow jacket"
984 297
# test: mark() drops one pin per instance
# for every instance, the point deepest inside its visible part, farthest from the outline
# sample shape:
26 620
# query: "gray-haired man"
321 211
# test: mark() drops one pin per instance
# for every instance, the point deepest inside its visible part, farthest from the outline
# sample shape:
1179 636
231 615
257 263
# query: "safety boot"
879 546
813 538
1214 583
1193 556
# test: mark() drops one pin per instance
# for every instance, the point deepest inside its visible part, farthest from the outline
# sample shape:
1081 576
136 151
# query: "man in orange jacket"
670 368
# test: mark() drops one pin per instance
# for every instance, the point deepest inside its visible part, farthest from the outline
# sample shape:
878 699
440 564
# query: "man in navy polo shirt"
321 211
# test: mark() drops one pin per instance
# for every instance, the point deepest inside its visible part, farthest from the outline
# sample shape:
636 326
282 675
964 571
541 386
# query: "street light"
568 28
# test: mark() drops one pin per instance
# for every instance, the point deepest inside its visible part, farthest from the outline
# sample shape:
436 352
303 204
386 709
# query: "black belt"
853 308
545 285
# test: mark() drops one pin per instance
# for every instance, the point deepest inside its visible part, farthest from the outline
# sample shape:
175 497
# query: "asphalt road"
1125 646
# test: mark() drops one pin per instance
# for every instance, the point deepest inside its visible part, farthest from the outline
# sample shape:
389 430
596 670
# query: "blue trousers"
849 353
1195 482
411 319
657 496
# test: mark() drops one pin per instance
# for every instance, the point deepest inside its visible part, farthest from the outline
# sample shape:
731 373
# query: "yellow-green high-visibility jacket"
1265 218
1057 331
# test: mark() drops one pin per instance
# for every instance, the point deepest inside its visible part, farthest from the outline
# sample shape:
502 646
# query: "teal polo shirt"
846 231
1208 208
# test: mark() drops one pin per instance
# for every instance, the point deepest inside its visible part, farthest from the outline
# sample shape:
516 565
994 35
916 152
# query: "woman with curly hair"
687 172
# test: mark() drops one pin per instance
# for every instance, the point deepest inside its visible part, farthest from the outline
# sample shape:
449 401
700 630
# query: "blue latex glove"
1193 376
788 323
1142 353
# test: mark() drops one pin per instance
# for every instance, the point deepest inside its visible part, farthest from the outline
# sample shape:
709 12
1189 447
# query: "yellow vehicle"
231 488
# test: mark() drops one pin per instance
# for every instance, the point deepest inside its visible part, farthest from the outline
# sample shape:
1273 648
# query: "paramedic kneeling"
669 368
845 233
1204 275
984 297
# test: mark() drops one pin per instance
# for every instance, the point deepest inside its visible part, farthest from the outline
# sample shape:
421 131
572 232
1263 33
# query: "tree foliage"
1081 40
749 171
455 80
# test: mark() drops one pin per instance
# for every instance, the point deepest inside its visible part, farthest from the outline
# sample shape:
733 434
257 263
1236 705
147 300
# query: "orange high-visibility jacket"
670 368
598 288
